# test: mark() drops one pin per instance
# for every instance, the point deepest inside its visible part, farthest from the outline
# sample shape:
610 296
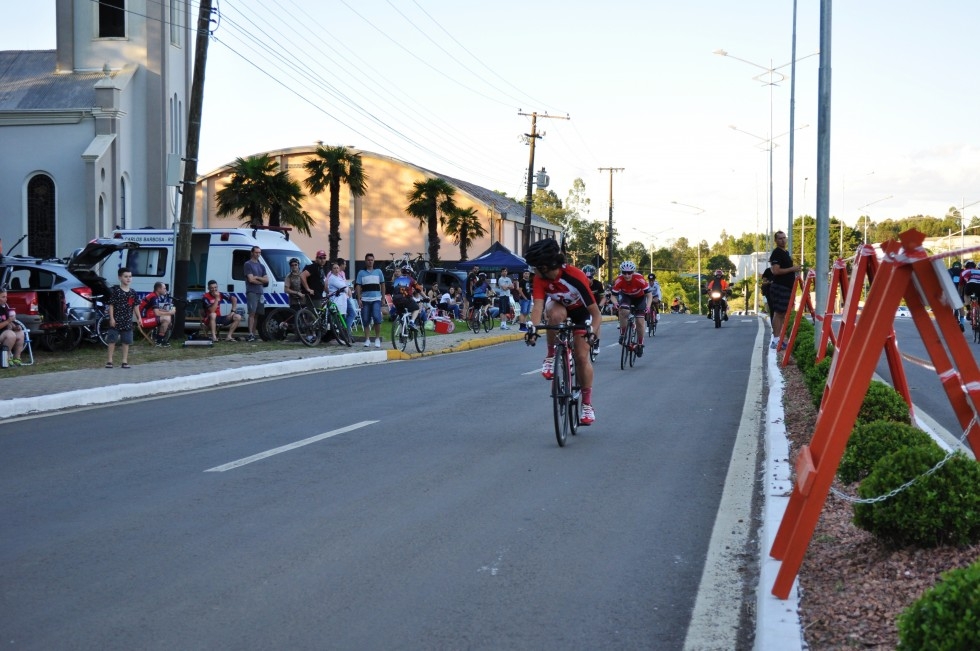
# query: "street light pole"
963 221
609 232
770 72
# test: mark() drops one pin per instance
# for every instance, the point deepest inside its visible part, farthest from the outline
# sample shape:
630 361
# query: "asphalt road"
406 505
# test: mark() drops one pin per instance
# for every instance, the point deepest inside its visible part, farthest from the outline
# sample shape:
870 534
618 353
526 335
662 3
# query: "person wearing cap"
294 285
314 276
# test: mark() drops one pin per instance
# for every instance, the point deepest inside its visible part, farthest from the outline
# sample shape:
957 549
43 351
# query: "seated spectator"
11 334
448 304
157 311
212 319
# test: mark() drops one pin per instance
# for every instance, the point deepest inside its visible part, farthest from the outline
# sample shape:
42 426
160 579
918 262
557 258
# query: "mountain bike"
314 322
480 318
629 343
566 394
405 329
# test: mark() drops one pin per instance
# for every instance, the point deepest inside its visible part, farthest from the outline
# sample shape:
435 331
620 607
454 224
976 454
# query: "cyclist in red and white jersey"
969 281
635 296
561 291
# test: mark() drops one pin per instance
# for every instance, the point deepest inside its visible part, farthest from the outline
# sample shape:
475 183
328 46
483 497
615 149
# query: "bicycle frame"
566 395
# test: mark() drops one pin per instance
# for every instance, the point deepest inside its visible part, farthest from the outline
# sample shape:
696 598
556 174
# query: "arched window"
40 216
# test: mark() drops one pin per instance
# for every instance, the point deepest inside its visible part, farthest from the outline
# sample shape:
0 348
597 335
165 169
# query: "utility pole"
183 245
531 137
609 228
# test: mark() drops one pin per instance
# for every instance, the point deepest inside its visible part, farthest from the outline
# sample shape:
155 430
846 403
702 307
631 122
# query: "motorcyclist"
718 282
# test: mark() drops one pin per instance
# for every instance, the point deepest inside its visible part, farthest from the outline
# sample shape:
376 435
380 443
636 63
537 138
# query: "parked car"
903 311
445 278
54 297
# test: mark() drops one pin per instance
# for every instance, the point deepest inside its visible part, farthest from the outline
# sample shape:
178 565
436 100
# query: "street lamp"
867 216
768 77
699 211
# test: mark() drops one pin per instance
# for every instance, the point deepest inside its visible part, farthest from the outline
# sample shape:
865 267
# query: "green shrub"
872 441
941 508
815 378
882 402
946 617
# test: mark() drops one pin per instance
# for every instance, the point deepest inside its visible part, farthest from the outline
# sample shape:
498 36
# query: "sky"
443 85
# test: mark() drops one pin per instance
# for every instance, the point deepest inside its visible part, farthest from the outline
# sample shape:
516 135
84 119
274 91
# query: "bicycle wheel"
624 348
560 389
487 322
574 395
308 327
631 339
474 322
340 331
420 339
652 323
593 352
399 340
277 324
62 340
101 327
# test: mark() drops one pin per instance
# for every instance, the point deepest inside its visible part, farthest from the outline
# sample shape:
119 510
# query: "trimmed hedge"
872 441
946 617
941 508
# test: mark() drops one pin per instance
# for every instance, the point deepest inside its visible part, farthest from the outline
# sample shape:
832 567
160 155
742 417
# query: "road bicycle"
418 264
313 323
628 343
566 394
481 318
405 329
975 317
652 319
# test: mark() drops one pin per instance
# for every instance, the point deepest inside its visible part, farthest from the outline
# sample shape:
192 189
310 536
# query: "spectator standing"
212 312
370 288
122 302
524 286
336 282
783 279
505 287
471 280
352 306
314 277
159 310
294 285
256 279
11 334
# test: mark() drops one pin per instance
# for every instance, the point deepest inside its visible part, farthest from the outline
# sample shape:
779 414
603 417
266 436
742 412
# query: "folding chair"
28 351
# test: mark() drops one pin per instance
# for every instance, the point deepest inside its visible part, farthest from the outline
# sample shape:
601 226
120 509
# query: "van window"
147 262
238 259
277 261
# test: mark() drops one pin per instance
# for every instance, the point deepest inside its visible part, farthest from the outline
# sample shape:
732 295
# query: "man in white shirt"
504 302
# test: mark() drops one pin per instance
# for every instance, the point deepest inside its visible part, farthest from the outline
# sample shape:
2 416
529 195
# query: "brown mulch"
853 588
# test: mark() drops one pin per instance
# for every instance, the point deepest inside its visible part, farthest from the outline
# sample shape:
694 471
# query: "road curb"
116 392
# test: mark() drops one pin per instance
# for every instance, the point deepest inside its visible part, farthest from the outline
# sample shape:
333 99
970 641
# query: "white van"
216 254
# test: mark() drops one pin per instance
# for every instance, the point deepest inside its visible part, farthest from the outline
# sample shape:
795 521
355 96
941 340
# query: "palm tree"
329 168
463 225
258 187
430 198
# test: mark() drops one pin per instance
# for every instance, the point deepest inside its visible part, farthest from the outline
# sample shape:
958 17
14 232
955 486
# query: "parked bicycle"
81 324
405 329
312 323
419 264
480 318
566 394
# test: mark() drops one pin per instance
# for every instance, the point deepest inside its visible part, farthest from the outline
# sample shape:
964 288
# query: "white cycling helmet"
627 267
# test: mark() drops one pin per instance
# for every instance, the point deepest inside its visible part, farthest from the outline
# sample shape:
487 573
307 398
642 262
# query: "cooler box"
444 326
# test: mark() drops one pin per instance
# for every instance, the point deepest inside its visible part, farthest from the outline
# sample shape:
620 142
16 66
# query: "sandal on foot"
108 364
124 365
230 340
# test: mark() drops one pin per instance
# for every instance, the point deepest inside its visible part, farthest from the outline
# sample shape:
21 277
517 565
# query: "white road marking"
291 446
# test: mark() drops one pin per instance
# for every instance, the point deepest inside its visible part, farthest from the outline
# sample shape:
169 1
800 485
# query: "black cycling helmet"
545 253
970 264
652 277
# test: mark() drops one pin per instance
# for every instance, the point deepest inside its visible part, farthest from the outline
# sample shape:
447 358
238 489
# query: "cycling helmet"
406 268
652 277
482 276
970 264
589 270
544 253
627 267
718 272
957 265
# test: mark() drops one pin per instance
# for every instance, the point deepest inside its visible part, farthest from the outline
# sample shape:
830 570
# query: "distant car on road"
903 311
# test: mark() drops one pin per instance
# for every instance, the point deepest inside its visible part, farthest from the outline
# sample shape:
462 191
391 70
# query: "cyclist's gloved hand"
531 337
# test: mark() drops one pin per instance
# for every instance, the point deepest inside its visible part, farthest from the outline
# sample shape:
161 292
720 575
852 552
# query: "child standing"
122 300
